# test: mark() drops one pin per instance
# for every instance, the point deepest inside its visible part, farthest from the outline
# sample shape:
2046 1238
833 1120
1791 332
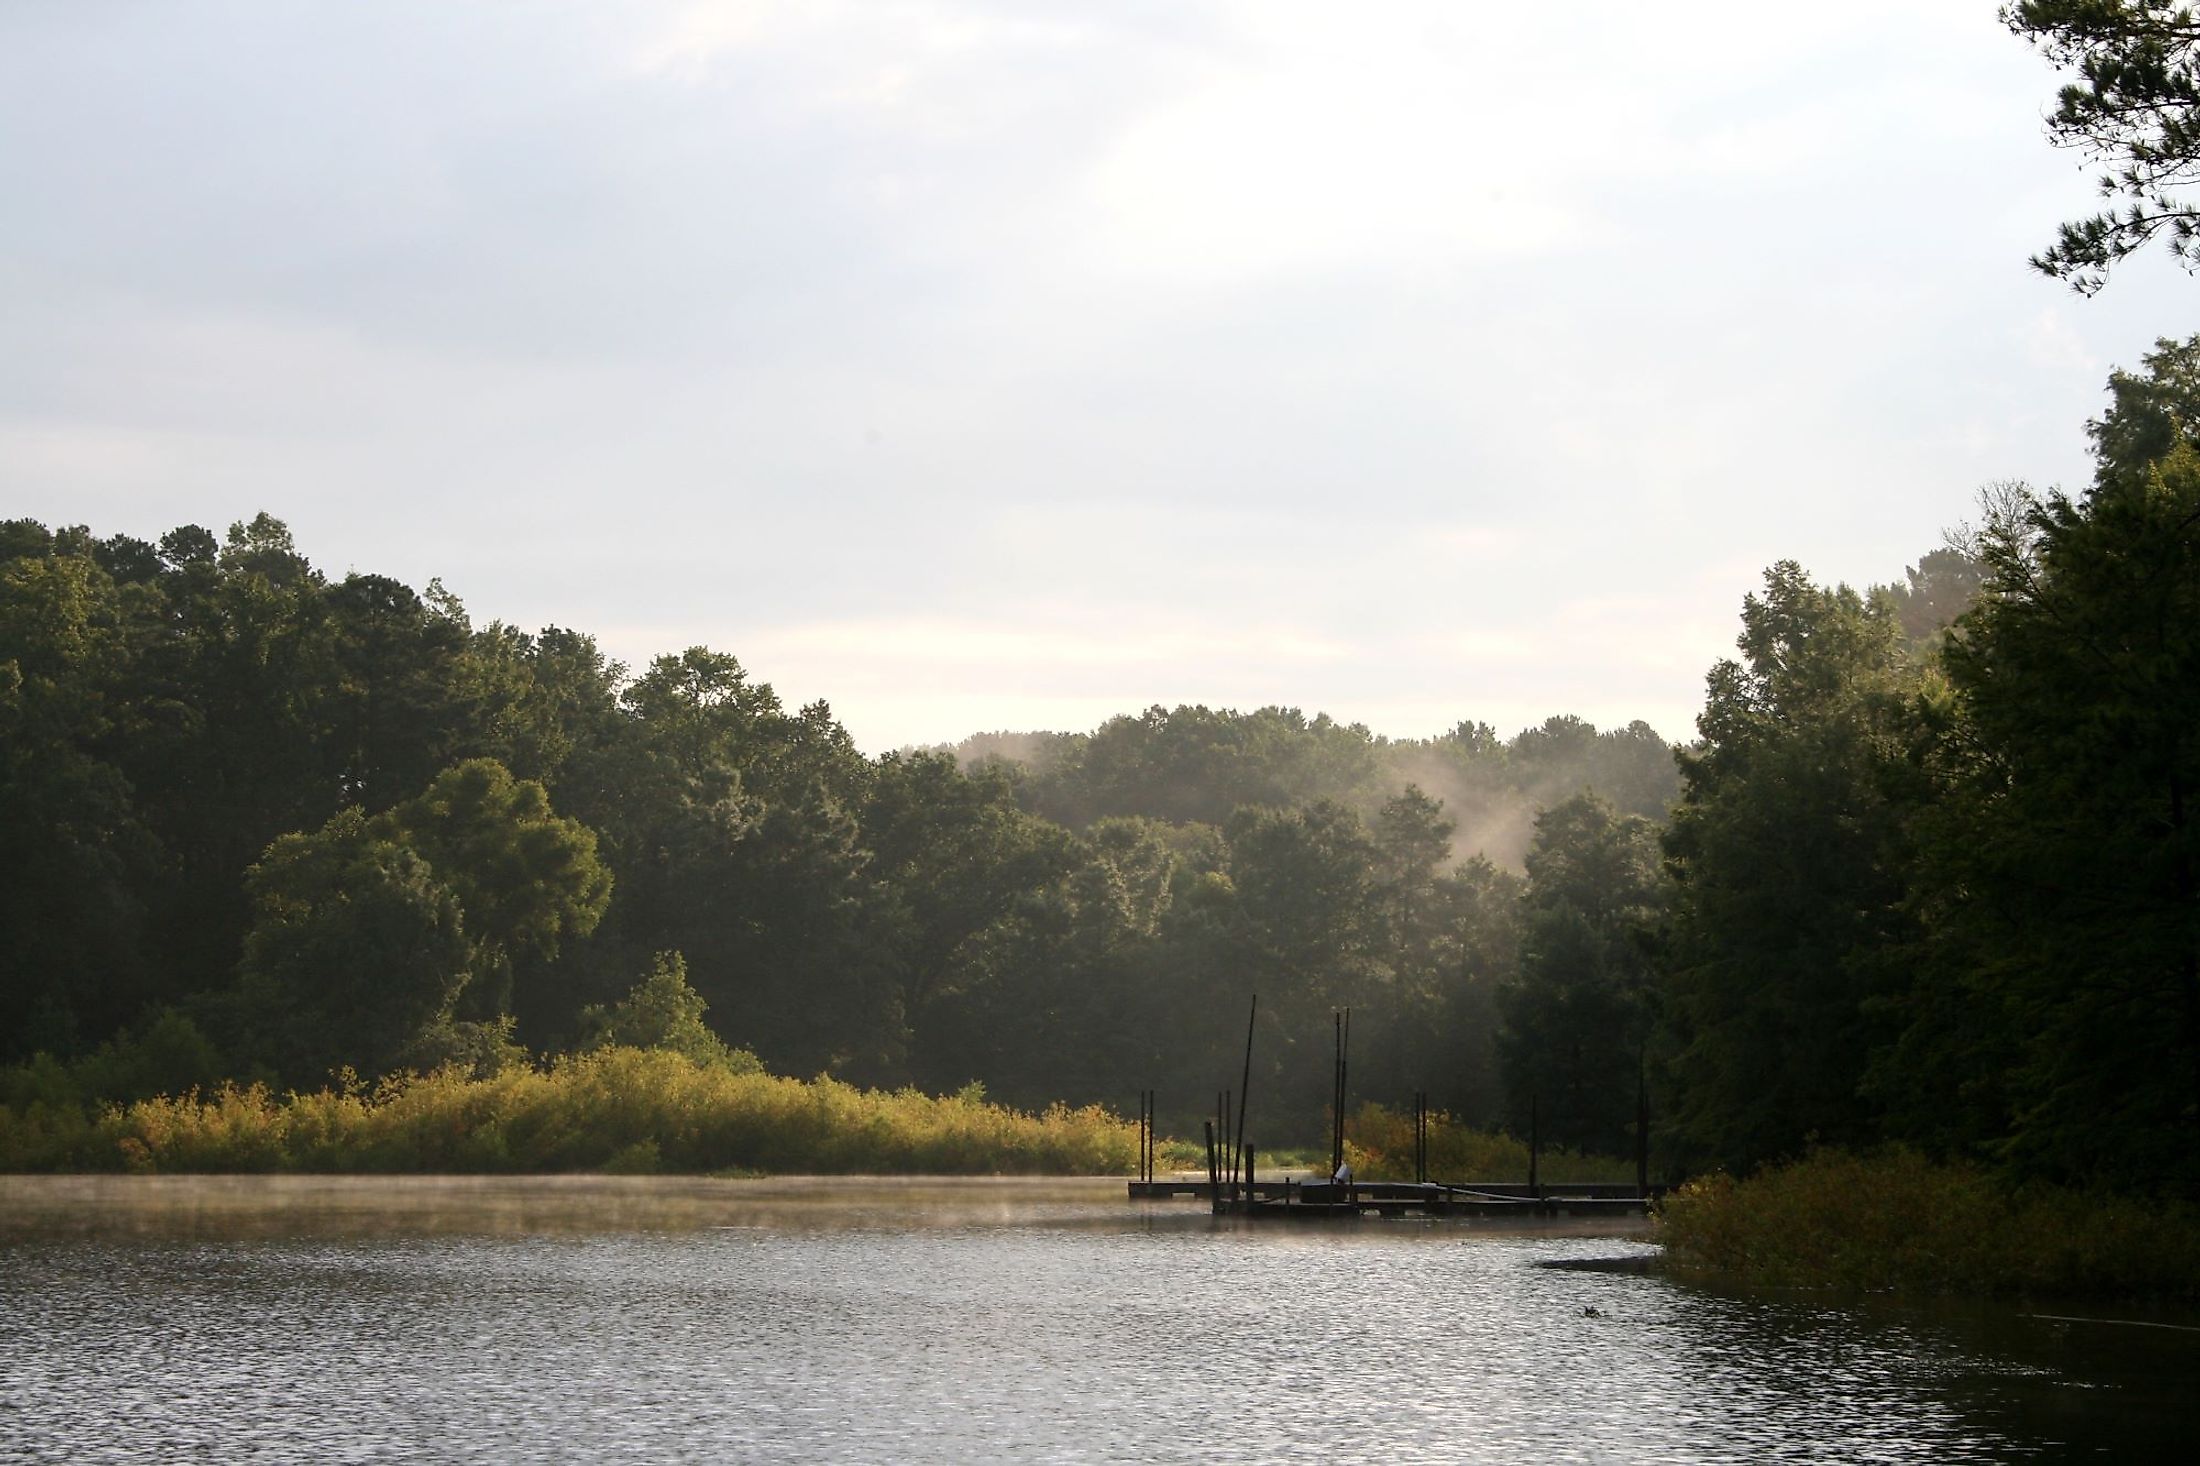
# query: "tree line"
1941 891
261 822
1928 873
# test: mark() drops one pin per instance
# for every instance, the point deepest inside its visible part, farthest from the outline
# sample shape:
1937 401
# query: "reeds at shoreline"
618 1109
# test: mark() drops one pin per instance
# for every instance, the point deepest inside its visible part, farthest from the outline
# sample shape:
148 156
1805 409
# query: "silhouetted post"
1642 1129
1420 1136
1214 1165
1142 1135
1245 1084
1534 1145
1229 1139
1145 1158
1248 1178
1153 1132
1336 1093
1339 1074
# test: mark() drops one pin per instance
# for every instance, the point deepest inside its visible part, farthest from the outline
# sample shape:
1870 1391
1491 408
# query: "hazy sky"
992 365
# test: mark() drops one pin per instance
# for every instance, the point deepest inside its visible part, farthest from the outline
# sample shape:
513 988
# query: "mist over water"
591 1318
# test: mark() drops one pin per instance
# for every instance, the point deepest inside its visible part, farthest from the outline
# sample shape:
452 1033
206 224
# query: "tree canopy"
2134 108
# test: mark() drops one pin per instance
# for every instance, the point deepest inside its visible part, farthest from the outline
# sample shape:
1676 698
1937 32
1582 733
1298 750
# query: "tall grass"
615 1108
1893 1221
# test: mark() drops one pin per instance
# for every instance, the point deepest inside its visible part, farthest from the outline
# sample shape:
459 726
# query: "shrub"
1894 1221
612 1108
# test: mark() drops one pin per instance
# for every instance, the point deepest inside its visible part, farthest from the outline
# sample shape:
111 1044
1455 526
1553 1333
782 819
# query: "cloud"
981 363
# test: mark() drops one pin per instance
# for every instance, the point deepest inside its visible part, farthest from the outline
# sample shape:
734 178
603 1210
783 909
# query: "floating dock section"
1231 1187
1324 1200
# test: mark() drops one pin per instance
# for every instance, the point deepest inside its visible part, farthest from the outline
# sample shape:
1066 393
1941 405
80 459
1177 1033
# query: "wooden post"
1336 1093
1142 1135
1221 1129
1339 1075
1642 1128
1420 1136
1146 1150
1214 1166
1229 1140
1534 1144
1248 1178
1245 1084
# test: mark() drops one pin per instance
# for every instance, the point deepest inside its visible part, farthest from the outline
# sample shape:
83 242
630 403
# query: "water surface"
550 1319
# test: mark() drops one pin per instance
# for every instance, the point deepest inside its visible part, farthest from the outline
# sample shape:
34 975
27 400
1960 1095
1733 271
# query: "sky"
978 365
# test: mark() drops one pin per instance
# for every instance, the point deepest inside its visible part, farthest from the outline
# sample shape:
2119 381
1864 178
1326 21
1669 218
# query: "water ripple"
1117 1338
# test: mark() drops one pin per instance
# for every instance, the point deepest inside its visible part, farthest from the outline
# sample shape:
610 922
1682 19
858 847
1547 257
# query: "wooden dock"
1231 1186
1316 1200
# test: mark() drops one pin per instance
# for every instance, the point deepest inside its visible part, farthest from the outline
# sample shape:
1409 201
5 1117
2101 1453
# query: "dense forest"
263 822
1927 875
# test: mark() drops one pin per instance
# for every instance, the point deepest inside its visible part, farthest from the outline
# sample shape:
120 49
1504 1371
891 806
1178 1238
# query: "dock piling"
1534 1147
1642 1129
1245 1083
1420 1136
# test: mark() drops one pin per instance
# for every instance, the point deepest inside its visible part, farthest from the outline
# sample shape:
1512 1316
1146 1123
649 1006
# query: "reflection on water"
587 1318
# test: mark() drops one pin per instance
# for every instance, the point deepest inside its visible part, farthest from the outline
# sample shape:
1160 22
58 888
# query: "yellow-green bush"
620 1108
1893 1220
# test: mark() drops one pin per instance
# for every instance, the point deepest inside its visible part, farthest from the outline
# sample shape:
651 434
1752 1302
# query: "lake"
669 1319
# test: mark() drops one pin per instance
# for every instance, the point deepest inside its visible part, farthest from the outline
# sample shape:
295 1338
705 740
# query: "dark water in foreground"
597 1319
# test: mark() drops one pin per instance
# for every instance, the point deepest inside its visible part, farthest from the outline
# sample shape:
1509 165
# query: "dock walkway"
1314 1200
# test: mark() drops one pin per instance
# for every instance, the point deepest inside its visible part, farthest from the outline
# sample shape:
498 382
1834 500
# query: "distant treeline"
1193 765
1928 876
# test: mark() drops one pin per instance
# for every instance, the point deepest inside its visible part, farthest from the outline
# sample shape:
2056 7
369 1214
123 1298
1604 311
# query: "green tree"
524 877
356 952
391 939
2063 874
732 827
2131 108
76 859
1940 587
232 751
1576 1020
954 855
545 706
2149 413
663 1012
1788 855
392 702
